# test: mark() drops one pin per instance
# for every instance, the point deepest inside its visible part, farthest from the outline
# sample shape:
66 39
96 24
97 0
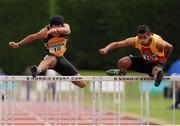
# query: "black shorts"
141 65
64 67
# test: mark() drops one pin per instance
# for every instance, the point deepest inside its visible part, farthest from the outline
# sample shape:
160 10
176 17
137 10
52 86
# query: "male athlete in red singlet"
154 53
55 35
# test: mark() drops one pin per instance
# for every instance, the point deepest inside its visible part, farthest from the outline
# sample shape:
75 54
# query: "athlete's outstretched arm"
114 45
39 35
163 45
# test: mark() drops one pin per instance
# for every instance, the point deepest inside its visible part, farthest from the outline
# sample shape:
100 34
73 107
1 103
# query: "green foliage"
20 18
94 24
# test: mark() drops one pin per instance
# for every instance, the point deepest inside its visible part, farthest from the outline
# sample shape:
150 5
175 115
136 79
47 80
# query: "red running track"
38 113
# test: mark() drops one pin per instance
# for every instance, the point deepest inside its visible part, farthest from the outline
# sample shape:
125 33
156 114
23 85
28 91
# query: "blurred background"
94 24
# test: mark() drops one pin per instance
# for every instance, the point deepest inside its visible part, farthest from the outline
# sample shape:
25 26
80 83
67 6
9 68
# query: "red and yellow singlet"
150 53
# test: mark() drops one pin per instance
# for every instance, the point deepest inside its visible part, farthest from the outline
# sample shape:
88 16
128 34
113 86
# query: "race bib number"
57 46
150 58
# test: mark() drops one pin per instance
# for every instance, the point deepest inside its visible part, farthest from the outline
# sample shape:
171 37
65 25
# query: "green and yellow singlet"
56 45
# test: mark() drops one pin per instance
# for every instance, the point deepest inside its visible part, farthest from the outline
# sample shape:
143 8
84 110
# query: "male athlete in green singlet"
56 38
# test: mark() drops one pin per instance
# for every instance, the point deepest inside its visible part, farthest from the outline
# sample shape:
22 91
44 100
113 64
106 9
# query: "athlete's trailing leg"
123 65
48 62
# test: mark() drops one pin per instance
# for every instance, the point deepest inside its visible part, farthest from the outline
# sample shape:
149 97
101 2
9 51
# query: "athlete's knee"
155 70
52 61
80 84
124 62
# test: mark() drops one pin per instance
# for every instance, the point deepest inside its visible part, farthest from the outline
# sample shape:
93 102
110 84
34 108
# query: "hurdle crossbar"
86 78
13 79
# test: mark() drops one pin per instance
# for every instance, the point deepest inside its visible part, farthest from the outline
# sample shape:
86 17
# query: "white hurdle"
95 115
86 78
7 99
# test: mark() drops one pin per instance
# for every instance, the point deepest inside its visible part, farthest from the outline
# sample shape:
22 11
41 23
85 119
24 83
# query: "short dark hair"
57 20
143 29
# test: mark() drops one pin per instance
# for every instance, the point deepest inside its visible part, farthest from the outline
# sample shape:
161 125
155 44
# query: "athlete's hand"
103 51
53 31
14 44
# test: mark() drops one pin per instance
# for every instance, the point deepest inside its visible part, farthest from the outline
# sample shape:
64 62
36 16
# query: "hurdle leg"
46 103
141 107
114 103
100 102
81 102
6 103
55 102
76 105
43 98
119 103
147 104
94 104
70 104
60 101
12 102
174 100
123 102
